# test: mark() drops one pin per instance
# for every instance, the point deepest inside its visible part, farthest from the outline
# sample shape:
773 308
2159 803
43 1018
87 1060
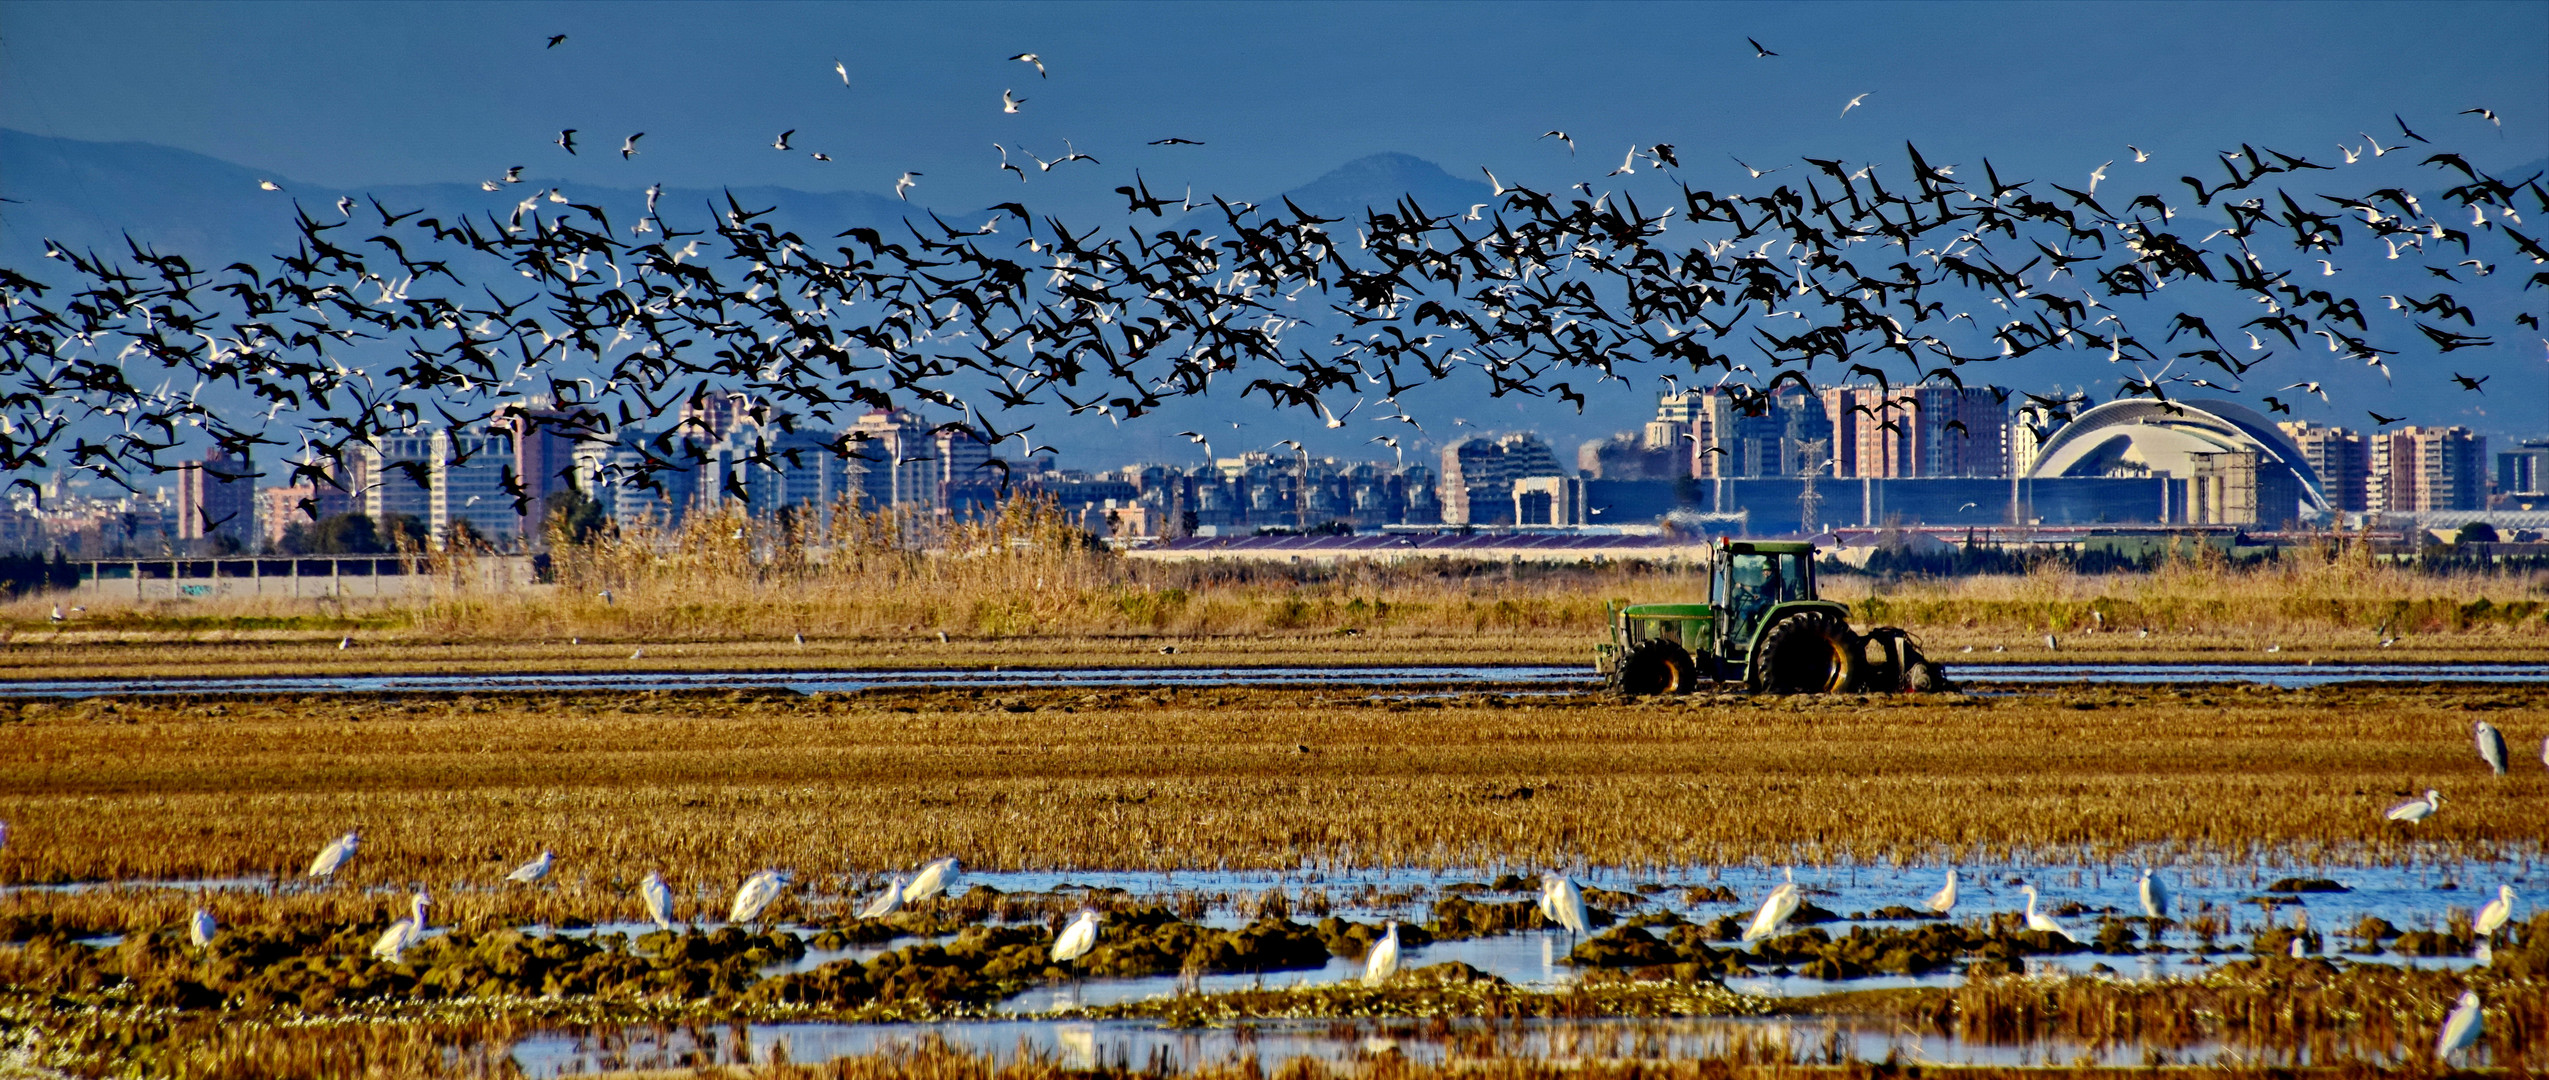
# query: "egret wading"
332 857
2491 747
1077 938
531 872
887 904
934 879
1944 900
756 893
404 933
1562 903
2462 1028
2044 922
1776 909
2497 913
1383 963
2154 897
658 898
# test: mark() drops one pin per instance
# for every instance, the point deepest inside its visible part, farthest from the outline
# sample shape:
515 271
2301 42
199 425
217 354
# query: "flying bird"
905 183
1031 58
1757 51
2381 420
268 185
1175 142
2139 155
2482 111
2467 383
566 139
1562 137
628 146
1854 103
556 40
781 143
843 70
1009 102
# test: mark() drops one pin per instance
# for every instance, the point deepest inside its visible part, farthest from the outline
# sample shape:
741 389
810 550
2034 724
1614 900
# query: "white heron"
1076 939
2042 922
887 904
405 932
1561 902
1776 909
756 893
937 877
1944 900
2497 913
201 929
658 898
2416 810
2154 896
2462 1028
531 872
2491 747
1383 963
332 857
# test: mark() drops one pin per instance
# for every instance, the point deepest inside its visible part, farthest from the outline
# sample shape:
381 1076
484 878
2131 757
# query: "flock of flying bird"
385 321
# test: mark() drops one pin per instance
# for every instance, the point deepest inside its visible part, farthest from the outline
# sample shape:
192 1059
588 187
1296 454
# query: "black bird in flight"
1757 50
2381 420
566 139
1175 142
2467 383
556 40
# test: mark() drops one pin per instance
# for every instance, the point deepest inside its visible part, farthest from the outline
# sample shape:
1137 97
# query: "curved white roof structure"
2138 434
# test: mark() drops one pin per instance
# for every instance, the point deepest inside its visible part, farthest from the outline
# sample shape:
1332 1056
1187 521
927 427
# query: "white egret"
2462 1028
2154 896
531 872
2043 922
887 904
937 877
2491 747
1944 900
1563 903
332 857
1776 909
658 898
757 893
2416 810
1383 963
201 929
1076 939
405 932
2497 913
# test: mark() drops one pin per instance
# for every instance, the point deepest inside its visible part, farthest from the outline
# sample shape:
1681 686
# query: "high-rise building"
2428 468
2240 487
216 498
1478 475
397 473
474 486
2523 472
897 459
545 441
1912 431
774 471
2341 459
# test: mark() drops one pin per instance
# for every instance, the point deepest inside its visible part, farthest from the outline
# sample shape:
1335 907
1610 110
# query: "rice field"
1230 830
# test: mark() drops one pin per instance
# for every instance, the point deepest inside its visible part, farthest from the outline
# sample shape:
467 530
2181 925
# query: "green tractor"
1763 627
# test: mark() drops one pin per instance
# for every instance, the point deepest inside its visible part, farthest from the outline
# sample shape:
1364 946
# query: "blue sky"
355 95
383 93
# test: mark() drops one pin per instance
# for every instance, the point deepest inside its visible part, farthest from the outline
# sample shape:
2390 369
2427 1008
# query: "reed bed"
452 790
1024 574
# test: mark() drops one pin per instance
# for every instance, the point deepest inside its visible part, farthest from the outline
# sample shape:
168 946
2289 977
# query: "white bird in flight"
843 70
2042 922
268 185
658 898
757 893
2416 810
1076 939
332 857
532 871
1854 103
1031 58
1383 963
938 876
1009 101
1944 900
887 904
1776 909
905 183
405 933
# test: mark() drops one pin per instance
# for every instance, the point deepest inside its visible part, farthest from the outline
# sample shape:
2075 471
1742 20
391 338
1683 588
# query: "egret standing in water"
1076 939
2461 1029
531 872
935 878
201 929
1776 909
2491 747
757 893
2044 922
404 933
658 898
2497 913
1562 903
1944 900
2154 896
887 904
2416 810
333 856
1383 963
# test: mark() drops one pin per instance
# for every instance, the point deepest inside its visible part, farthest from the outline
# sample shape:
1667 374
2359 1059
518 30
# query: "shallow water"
1542 676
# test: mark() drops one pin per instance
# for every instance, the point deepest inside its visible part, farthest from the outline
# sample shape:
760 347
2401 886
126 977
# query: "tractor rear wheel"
1655 667
1810 652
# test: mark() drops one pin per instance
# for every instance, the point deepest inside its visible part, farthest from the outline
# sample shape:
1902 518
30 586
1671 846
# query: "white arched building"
2225 464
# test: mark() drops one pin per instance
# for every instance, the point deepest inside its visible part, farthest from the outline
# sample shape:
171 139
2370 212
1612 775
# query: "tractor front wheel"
1810 652
1655 667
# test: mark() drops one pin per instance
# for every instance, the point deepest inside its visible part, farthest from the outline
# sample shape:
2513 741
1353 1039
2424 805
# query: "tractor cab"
1750 580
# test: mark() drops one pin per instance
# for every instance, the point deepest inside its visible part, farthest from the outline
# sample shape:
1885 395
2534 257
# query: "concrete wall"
304 577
